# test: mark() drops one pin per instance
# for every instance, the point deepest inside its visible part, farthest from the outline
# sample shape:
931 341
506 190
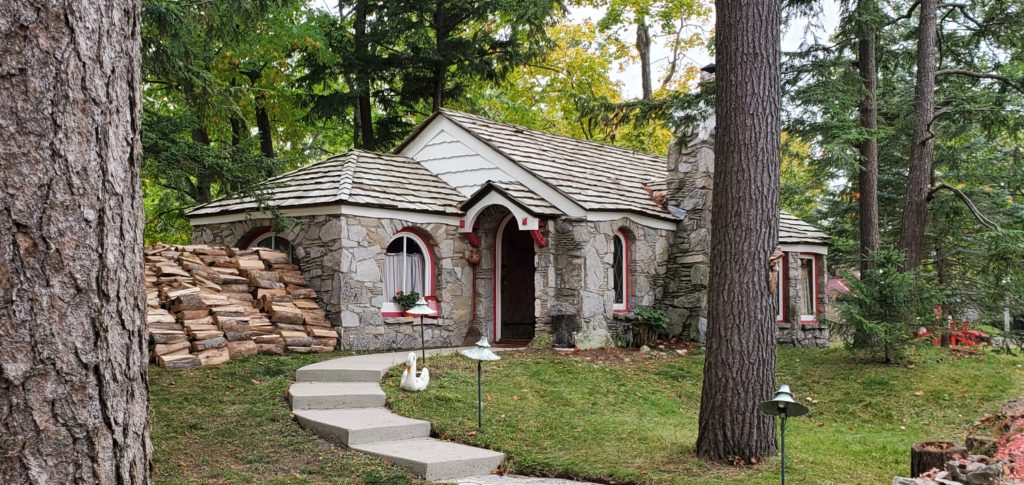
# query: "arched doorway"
515 299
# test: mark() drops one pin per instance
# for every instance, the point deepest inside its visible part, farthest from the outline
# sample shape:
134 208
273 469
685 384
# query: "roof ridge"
556 135
348 170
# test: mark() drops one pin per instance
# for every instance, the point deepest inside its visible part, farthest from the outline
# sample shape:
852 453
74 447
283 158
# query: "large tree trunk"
739 368
364 105
643 48
867 180
915 212
440 35
73 386
263 126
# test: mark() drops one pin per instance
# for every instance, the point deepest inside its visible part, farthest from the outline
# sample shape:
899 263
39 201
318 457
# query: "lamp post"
422 310
480 353
784 406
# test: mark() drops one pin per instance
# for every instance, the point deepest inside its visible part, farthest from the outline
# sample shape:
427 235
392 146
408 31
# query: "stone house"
509 233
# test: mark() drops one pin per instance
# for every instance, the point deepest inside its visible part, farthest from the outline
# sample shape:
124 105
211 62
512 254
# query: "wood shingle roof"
356 177
596 176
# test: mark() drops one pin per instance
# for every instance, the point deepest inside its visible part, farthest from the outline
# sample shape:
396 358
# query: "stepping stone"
435 459
362 426
336 395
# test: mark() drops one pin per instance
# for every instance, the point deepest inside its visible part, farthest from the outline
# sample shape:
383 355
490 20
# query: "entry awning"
527 207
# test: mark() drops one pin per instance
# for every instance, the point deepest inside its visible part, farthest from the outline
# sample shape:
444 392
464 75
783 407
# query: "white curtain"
807 285
392 274
416 276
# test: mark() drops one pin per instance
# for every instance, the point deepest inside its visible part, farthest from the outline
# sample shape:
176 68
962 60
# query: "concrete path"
341 400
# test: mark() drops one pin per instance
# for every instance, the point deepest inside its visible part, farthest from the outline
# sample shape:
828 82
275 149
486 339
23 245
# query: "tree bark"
73 385
440 35
915 211
643 48
867 179
363 104
739 365
263 126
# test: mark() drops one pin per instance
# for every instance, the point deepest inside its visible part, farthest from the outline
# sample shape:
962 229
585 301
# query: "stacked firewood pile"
209 304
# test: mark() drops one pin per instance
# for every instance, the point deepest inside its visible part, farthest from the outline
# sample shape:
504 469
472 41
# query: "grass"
636 421
231 424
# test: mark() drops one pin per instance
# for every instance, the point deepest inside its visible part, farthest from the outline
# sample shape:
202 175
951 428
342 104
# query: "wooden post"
925 455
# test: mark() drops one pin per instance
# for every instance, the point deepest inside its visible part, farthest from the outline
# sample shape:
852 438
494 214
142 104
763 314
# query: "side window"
620 264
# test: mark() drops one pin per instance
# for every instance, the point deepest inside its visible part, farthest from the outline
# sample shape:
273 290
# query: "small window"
780 286
277 243
407 269
620 263
808 288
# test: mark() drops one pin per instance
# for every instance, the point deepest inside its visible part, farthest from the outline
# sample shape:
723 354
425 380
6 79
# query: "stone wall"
343 259
648 255
690 178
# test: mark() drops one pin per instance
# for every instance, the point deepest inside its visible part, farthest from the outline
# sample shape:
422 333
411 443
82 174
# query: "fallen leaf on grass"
919 393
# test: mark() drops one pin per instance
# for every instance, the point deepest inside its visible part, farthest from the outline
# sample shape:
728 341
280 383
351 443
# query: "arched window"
275 242
620 266
407 268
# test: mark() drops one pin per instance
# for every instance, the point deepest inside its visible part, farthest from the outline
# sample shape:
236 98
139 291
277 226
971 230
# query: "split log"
188 301
320 349
201 328
304 341
925 455
242 347
164 349
280 313
209 343
164 326
207 320
254 275
301 292
172 270
267 284
240 297
272 257
228 311
320 332
159 317
268 339
270 349
306 304
290 327
178 362
272 292
233 324
317 318
192 315
301 350
293 279
159 336
250 264
170 295
214 356
326 342
234 288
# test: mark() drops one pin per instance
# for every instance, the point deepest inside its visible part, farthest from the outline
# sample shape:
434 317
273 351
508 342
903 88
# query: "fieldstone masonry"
691 167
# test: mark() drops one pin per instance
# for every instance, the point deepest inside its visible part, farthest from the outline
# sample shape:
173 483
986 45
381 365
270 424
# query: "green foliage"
886 307
406 300
652 318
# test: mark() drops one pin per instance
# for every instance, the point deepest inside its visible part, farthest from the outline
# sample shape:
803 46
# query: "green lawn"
230 424
636 421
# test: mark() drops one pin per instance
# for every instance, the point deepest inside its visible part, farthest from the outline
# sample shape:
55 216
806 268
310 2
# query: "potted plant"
406 300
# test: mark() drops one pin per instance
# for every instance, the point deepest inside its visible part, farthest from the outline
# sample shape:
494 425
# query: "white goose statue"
410 382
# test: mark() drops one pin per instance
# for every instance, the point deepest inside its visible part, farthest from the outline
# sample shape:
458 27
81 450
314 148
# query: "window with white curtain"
780 285
405 266
808 288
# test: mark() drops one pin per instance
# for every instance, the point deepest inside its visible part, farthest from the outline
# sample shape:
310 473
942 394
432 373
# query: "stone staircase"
341 400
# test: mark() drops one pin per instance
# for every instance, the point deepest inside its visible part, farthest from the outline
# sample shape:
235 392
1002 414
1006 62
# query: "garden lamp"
480 353
784 406
422 309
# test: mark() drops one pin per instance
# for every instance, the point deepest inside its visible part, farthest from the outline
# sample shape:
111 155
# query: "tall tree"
922 145
867 178
73 384
739 367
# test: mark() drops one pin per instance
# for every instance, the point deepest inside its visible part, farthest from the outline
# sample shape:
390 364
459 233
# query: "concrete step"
435 459
362 426
336 395
313 374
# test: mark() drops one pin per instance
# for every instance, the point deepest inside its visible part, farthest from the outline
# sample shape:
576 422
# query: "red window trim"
625 272
431 281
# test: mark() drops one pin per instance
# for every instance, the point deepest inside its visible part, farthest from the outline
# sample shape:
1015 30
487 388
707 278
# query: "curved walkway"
341 400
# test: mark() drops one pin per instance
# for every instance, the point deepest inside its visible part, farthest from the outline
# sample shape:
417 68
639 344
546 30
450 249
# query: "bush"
650 323
886 307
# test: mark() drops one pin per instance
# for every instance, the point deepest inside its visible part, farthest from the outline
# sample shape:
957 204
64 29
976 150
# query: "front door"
517 298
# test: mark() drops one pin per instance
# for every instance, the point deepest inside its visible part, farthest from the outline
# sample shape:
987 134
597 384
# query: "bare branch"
1017 86
984 220
910 13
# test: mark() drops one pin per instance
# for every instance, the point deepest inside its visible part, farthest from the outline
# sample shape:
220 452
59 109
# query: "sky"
629 74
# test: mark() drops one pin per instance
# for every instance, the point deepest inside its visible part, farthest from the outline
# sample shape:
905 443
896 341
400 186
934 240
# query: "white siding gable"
454 160
466 163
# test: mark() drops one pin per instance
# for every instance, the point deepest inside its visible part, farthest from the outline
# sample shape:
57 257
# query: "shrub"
650 323
886 307
406 300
